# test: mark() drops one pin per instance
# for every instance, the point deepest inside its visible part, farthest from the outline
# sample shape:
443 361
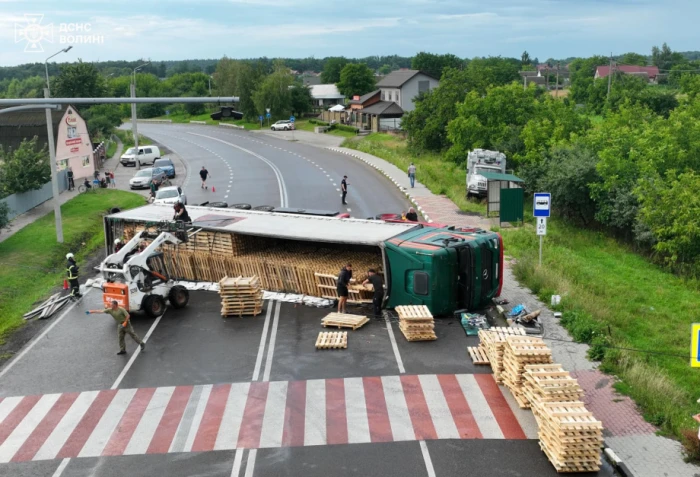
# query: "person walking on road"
203 174
412 174
72 275
344 188
71 183
378 286
123 319
342 286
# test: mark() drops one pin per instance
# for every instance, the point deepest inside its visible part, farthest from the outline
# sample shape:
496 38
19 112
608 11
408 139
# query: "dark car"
167 166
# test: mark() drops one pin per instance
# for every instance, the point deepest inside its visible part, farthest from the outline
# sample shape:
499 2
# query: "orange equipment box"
116 291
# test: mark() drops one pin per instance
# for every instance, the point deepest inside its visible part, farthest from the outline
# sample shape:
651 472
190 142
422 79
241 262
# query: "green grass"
615 298
128 139
32 263
111 148
440 176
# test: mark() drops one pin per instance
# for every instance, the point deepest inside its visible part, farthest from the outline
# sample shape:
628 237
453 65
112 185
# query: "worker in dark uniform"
181 214
412 216
342 286
123 319
344 188
71 182
72 275
378 286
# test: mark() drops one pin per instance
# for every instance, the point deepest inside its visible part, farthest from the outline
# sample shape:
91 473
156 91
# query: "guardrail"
231 125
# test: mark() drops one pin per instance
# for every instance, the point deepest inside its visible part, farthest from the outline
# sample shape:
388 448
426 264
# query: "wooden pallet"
414 313
332 340
416 322
240 296
344 320
519 352
478 355
493 340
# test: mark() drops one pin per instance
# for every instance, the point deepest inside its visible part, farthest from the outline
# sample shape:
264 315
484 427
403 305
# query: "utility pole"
610 75
556 88
134 128
54 178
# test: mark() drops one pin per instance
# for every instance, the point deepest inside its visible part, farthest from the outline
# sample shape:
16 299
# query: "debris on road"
416 322
241 296
332 340
472 323
478 355
519 352
344 320
48 308
494 340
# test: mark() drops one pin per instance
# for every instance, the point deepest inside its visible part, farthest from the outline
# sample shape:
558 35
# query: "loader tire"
178 297
154 305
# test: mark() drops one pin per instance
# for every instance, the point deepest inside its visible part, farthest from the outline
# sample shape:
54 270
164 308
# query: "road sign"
542 204
268 113
695 345
541 225
167 112
260 118
267 110
291 118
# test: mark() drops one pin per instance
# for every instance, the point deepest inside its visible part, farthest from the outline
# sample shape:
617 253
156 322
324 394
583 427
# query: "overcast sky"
186 29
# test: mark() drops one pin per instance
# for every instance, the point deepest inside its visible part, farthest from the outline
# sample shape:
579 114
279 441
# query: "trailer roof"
273 224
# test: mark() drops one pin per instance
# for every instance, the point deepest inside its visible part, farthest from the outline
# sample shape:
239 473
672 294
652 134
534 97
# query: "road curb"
398 186
616 462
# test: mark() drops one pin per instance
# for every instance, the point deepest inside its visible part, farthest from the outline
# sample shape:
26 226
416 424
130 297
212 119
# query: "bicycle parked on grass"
86 186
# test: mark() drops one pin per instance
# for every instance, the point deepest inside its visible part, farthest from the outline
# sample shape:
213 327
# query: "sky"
101 30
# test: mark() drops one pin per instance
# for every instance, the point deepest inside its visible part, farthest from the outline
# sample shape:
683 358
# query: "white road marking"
108 423
15 440
315 416
480 407
28 348
136 353
227 438
62 466
271 345
426 457
197 419
237 458
7 406
400 419
273 420
149 422
263 339
54 443
250 464
439 410
356 411
394 346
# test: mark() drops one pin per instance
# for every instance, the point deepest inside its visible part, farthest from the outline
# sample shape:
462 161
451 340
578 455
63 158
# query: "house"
359 102
309 78
402 87
325 95
650 73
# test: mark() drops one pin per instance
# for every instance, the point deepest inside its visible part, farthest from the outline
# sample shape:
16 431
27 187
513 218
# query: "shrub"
4 212
343 127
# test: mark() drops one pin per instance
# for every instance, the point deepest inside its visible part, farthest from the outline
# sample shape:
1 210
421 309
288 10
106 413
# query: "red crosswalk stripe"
501 411
129 421
461 413
87 424
16 416
336 419
251 427
167 428
213 413
418 408
379 425
294 412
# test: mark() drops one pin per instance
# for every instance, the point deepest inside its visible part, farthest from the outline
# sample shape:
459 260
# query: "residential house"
309 78
649 73
326 95
359 102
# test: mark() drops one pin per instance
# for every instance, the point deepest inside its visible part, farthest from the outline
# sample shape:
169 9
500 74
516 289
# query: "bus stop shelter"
505 196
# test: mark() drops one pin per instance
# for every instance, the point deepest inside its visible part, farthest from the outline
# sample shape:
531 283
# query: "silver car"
142 179
282 126
170 195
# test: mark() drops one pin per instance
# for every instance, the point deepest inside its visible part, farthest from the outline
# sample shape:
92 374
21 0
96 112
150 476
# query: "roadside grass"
128 139
439 175
111 147
306 125
614 298
32 263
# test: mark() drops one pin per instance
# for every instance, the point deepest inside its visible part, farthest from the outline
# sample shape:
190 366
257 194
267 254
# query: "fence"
21 203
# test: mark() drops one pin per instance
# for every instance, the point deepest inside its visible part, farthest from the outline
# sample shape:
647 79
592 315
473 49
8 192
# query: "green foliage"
384 69
32 87
633 59
665 58
78 80
332 68
690 85
435 65
525 59
4 214
274 93
301 99
582 72
356 79
23 169
102 119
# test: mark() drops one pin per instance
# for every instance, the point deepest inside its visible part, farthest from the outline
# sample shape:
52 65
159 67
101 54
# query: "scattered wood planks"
332 340
549 383
478 355
344 320
48 308
416 323
494 341
519 352
240 296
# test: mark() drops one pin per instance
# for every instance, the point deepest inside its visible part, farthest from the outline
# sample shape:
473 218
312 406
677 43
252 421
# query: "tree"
78 80
385 69
662 57
525 59
4 215
23 169
301 99
274 93
356 79
633 59
583 86
102 119
433 64
332 69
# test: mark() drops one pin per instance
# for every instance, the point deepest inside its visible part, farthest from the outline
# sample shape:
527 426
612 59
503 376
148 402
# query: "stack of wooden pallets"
416 322
344 320
519 352
332 340
240 296
493 341
570 436
545 383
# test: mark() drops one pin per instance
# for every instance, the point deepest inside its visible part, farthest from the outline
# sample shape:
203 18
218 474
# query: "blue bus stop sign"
291 118
260 117
543 204
268 115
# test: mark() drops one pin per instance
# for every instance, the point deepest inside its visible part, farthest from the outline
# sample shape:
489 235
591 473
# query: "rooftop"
383 108
325 91
396 79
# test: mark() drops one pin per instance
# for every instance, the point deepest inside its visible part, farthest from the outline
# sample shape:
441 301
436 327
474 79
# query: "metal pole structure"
54 178
610 73
209 85
557 86
134 130
540 250
12 109
46 66
184 100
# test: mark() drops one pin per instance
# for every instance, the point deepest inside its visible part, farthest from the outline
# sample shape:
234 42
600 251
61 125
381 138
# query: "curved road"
257 169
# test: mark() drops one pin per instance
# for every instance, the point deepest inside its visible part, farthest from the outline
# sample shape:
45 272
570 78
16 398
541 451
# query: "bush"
318 122
4 212
692 444
343 127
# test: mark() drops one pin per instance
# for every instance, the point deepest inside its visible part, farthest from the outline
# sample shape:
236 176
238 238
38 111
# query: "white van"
146 155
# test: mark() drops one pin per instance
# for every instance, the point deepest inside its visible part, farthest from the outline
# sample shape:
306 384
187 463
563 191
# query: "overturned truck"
443 267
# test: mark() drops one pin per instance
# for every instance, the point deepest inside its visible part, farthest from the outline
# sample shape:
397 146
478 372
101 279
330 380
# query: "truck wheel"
264 208
241 206
218 205
154 305
178 297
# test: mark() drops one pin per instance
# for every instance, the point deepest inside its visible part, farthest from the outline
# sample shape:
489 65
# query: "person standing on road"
342 286
412 215
378 286
203 174
111 178
107 178
412 174
71 183
123 319
344 188
72 275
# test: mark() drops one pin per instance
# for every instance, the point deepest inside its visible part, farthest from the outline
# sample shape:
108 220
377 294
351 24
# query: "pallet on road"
332 340
494 341
416 322
478 355
519 352
344 320
240 296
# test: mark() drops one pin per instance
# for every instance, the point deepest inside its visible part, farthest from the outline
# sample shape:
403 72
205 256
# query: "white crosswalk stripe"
273 422
15 440
480 407
401 426
109 421
315 423
356 411
149 422
233 415
439 410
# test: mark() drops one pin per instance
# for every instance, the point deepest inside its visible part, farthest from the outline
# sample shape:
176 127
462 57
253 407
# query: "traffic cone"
65 284
213 189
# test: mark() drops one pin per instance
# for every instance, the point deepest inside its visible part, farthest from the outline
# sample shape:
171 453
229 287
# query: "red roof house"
651 71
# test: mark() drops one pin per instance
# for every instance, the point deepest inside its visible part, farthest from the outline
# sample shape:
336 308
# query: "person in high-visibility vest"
123 319
72 275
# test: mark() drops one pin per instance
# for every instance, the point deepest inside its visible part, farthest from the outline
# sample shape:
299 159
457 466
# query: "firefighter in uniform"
72 275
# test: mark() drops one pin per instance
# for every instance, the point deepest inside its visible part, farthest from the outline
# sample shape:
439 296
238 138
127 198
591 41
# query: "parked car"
146 155
282 126
170 195
167 165
142 178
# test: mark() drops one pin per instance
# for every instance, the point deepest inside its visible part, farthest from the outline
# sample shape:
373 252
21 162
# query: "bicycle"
82 188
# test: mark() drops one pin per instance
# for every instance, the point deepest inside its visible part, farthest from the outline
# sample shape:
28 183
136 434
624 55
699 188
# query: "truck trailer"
446 268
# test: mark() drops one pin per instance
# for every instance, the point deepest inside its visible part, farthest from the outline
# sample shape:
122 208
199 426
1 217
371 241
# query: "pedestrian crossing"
254 415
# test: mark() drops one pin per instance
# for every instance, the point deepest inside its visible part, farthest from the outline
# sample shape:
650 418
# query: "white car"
170 195
282 126
146 155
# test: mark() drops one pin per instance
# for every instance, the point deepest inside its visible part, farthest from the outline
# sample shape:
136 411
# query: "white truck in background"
482 160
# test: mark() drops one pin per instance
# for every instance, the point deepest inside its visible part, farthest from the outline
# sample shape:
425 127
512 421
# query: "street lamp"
46 65
134 129
209 85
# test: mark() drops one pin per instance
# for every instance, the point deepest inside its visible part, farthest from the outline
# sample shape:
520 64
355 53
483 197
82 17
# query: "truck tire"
178 297
218 205
264 208
241 206
154 305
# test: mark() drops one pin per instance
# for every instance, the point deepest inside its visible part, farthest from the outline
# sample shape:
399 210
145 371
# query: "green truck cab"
445 269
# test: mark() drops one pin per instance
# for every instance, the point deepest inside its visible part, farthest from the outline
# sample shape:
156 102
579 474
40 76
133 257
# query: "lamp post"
134 129
209 85
52 151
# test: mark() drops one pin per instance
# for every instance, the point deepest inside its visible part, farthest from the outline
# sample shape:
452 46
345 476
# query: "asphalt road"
252 396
